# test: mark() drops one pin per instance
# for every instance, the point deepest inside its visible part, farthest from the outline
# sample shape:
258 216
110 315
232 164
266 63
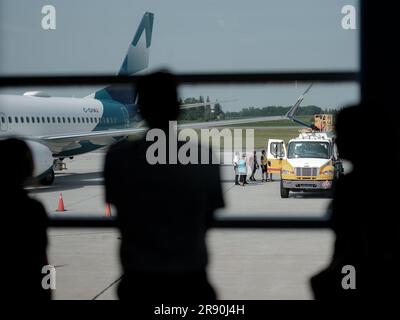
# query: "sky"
92 36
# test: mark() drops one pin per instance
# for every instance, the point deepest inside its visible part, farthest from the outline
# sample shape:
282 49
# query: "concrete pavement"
244 264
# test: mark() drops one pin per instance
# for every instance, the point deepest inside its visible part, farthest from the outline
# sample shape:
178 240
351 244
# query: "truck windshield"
308 149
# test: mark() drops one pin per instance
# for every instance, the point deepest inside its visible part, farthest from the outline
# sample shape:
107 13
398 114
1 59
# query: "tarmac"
244 264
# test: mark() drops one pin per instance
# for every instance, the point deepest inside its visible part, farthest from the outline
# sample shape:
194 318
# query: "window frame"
237 222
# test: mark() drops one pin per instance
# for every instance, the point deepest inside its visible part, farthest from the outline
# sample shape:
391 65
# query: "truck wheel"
284 192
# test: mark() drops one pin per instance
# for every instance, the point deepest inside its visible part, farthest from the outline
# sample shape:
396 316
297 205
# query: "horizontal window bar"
198 78
233 223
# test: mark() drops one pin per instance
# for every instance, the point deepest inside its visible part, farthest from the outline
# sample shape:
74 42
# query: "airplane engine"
43 162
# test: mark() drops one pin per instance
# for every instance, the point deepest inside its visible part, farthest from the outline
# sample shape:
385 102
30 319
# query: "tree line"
214 111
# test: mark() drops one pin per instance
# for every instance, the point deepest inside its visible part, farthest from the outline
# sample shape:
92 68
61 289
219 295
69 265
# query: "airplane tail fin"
137 57
135 60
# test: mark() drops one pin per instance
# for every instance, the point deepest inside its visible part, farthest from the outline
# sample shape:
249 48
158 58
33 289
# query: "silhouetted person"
25 219
164 210
365 224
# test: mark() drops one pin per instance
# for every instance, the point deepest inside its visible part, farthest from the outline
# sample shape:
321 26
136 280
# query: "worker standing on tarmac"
254 167
236 159
242 170
264 166
249 162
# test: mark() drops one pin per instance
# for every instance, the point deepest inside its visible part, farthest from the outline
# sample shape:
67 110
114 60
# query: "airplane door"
3 122
276 153
125 114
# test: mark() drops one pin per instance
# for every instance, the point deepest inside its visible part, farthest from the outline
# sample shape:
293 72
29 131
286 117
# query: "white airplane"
58 127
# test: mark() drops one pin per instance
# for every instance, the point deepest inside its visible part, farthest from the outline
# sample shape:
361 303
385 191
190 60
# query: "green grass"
274 123
262 135
277 123
264 131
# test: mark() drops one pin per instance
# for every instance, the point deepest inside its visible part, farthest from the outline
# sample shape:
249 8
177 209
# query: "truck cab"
311 163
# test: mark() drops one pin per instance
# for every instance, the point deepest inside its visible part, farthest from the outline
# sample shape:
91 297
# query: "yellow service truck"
309 163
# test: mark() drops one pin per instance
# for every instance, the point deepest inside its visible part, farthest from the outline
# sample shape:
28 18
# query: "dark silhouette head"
16 163
351 144
158 99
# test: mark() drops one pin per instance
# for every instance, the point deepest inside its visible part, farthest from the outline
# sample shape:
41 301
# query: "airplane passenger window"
16 119
33 119
43 120
10 119
27 119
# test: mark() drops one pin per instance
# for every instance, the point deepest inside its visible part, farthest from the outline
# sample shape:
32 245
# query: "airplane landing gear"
48 179
59 164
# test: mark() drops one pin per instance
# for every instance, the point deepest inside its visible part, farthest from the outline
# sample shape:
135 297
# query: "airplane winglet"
290 114
294 108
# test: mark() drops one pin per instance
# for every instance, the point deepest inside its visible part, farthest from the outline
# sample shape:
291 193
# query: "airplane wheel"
48 179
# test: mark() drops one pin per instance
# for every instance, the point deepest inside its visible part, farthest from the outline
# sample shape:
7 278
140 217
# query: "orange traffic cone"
60 203
108 210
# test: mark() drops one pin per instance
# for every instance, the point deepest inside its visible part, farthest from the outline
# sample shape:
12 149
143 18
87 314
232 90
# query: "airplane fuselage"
40 117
